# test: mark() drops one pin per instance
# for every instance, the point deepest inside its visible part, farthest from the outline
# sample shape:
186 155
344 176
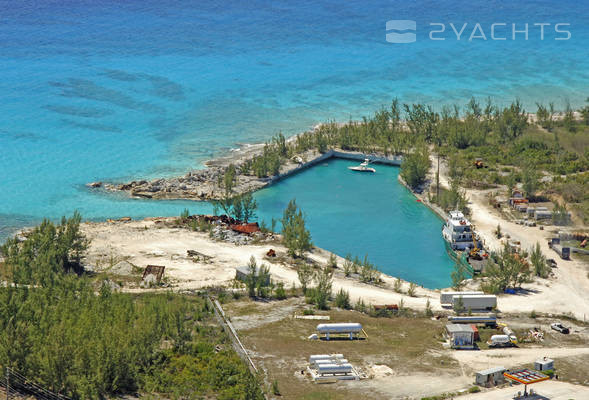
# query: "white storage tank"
337 361
350 328
500 341
316 357
340 328
322 361
334 368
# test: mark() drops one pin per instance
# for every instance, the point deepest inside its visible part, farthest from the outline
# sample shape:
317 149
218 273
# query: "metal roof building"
490 377
461 336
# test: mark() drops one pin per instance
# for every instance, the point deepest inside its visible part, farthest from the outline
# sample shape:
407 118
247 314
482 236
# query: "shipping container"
446 297
476 301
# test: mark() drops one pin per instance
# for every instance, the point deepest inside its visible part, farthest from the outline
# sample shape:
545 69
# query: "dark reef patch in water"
92 127
21 135
86 89
122 76
84 112
165 88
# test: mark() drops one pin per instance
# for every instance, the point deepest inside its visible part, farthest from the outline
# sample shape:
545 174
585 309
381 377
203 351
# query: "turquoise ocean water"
105 90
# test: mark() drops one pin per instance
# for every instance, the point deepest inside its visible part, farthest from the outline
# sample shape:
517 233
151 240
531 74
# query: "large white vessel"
458 232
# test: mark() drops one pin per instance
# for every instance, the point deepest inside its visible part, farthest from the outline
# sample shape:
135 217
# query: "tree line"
407 129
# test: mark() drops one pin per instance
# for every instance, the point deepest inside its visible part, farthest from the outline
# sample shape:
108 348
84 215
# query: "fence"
228 327
17 386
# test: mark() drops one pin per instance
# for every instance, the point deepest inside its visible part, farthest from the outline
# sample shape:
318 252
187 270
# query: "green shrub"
275 389
411 290
342 299
397 286
279 292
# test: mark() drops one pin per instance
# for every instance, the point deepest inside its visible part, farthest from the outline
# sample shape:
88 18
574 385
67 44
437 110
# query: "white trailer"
476 301
446 297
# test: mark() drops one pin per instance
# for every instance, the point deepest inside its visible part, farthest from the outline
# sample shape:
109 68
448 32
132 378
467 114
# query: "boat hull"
362 169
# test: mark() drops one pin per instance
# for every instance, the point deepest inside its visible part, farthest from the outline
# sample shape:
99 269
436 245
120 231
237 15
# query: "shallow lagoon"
361 213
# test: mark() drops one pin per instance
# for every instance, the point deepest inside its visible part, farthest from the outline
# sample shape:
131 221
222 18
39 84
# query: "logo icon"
399 28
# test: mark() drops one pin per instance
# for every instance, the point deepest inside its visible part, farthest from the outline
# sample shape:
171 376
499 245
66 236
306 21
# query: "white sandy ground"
547 390
395 384
510 357
145 242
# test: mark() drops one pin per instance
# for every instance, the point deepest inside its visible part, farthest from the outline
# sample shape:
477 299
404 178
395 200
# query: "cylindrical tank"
334 368
316 357
339 328
499 339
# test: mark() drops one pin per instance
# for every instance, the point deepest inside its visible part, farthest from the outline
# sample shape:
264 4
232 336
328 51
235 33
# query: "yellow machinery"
474 252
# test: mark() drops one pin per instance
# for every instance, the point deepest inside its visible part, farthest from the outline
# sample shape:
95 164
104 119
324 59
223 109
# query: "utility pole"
438 179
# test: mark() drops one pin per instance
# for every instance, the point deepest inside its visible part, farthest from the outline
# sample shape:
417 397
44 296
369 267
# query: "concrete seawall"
392 161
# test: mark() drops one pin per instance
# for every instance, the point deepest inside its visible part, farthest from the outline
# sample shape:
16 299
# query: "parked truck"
475 301
501 341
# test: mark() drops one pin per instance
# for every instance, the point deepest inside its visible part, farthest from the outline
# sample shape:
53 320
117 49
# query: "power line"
19 383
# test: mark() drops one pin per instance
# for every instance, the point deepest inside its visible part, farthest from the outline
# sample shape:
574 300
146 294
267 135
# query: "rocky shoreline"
207 184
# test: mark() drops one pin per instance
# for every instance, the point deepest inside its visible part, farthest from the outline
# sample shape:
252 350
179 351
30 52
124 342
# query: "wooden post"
7 383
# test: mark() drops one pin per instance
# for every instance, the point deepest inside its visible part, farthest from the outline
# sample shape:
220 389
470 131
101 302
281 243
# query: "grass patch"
282 347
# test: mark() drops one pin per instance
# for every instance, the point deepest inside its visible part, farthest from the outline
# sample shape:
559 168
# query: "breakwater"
208 184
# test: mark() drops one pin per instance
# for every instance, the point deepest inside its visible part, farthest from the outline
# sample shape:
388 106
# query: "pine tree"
296 237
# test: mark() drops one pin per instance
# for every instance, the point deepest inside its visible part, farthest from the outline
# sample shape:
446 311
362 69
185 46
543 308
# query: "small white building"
544 364
461 336
490 377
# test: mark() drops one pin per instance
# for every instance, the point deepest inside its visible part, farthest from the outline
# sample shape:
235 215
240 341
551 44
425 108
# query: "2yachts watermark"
405 31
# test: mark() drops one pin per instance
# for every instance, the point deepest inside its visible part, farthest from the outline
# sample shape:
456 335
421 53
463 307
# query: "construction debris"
246 228
156 270
198 256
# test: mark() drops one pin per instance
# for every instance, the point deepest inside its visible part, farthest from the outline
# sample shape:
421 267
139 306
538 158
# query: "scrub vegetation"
70 332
